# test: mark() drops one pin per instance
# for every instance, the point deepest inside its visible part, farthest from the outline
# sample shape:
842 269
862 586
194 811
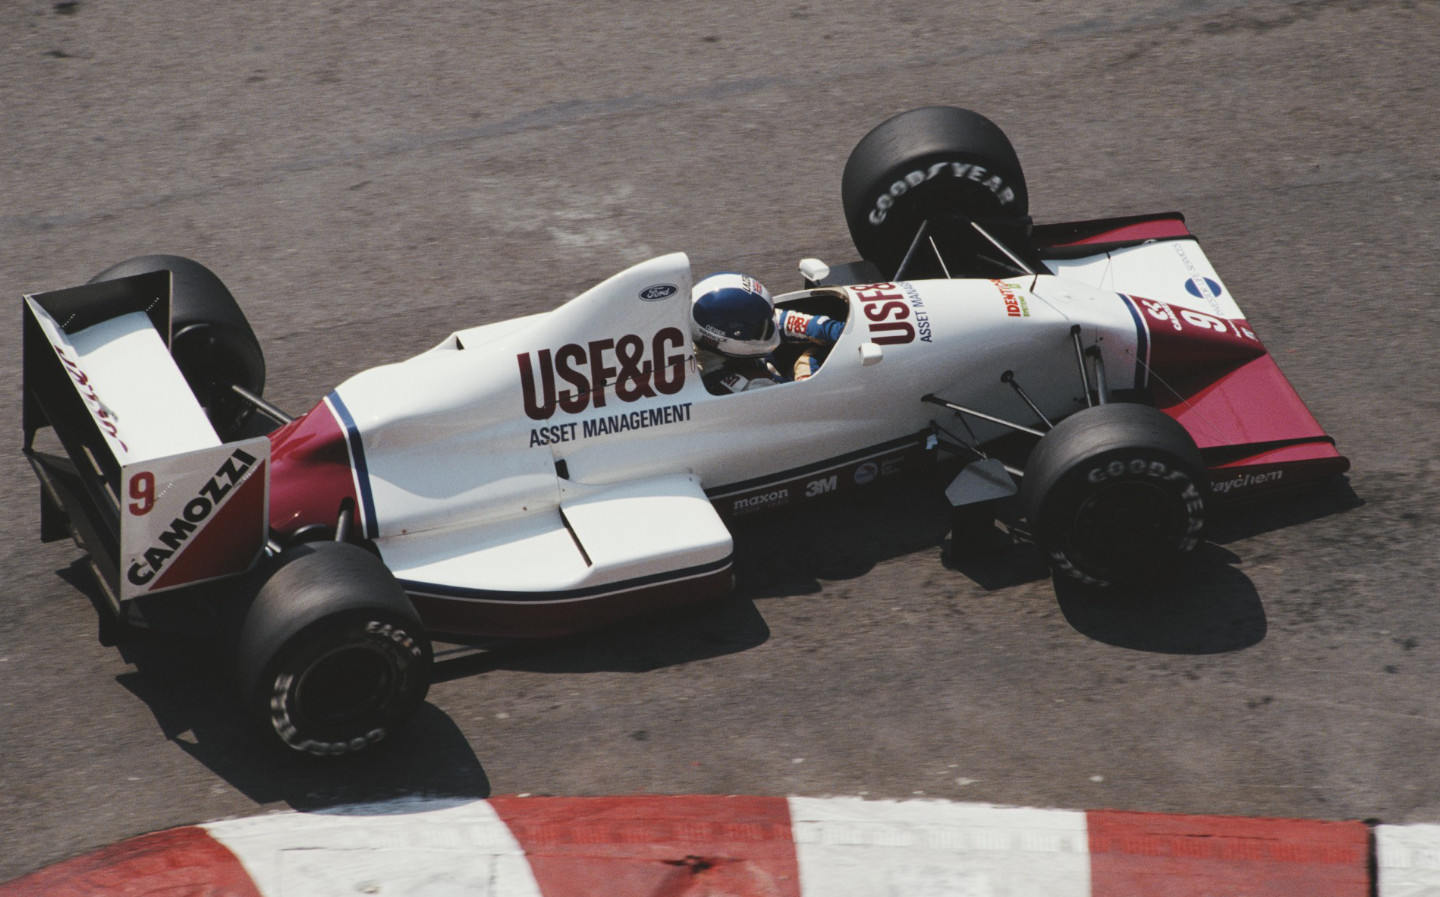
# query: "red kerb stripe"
180 861
623 846
1181 856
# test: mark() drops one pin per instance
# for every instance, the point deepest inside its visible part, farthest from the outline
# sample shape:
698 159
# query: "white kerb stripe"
414 847
1407 860
849 846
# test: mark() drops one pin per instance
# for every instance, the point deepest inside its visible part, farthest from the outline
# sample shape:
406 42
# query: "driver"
736 326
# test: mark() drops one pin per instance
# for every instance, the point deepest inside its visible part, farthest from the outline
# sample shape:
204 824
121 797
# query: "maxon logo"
760 500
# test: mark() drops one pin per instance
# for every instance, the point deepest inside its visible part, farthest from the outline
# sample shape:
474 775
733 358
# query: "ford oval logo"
658 292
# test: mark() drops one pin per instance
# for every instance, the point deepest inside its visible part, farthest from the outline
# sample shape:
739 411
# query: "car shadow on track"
777 556
1303 505
841 537
193 703
639 645
1214 609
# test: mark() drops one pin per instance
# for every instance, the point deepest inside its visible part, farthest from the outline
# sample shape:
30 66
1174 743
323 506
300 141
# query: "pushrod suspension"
960 409
1009 377
1080 359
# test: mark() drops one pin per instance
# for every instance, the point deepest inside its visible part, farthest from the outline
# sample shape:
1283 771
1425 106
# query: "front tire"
331 655
1114 496
925 166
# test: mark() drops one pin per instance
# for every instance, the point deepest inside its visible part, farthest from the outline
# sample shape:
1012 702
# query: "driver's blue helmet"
734 315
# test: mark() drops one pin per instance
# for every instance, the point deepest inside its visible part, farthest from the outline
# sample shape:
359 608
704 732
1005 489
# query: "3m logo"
820 487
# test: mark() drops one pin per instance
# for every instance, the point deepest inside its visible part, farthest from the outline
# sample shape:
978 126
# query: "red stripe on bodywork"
310 471
1180 856
175 862
1165 228
624 846
1111 230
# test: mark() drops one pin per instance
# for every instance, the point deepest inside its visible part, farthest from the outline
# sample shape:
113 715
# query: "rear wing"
142 481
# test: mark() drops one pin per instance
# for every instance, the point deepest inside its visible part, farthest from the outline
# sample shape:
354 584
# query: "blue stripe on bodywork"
1142 343
357 457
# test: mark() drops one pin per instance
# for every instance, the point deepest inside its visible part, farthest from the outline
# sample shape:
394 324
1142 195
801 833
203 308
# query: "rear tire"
210 339
331 655
925 165
1114 495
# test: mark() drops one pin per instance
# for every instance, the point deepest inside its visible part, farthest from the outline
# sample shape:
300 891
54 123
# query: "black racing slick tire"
210 338
922 166
331 656
1115 496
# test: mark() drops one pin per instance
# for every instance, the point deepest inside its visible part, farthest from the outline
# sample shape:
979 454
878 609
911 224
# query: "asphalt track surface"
369 176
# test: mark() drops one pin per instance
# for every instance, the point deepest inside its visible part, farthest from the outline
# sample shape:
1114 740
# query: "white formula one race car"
562 470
